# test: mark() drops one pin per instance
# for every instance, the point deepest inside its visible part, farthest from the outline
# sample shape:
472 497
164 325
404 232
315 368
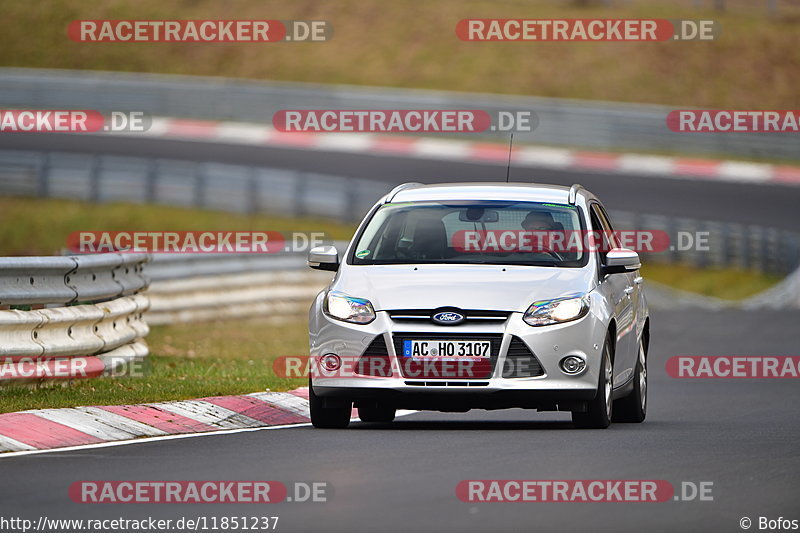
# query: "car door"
636 289
619 289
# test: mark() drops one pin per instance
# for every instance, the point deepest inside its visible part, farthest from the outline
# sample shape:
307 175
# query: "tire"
600 409
376 413
633 407
327 417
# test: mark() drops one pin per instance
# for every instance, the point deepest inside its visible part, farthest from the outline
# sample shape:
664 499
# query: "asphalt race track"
760 204
742 435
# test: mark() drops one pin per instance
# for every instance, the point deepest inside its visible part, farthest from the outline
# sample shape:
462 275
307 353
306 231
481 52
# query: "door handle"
638 280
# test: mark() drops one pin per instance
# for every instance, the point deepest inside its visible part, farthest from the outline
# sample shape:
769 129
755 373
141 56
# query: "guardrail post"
253 204
746 248
761 260
724 243
351 201
151 181
768 257
701 256
43 175
673 237
200 185
94 178
299 194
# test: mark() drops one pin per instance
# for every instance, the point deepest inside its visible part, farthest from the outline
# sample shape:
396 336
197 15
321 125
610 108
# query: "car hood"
490 287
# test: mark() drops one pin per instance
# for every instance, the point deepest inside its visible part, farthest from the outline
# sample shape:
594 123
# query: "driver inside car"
540 221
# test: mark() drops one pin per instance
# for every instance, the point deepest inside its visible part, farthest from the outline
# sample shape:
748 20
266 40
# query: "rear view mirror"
478 214
621 260
324 258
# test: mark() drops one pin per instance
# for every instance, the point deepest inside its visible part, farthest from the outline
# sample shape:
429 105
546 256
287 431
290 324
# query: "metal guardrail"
561 122
726 244
236 188
90 321
181 266
67 280
173 266
273 294
192 287
244 189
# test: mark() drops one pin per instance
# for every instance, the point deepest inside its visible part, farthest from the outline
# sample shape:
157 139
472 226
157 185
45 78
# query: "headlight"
556 311
347 308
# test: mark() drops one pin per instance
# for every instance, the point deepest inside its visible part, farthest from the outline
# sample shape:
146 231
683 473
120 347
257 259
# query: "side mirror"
621 260
324 258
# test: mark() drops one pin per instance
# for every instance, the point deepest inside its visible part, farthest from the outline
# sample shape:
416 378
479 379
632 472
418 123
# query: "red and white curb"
45 429
472 151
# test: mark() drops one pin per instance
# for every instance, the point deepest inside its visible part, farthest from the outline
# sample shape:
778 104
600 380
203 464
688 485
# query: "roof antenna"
508 168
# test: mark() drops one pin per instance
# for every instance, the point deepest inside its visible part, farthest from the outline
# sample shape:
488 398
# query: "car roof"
520 192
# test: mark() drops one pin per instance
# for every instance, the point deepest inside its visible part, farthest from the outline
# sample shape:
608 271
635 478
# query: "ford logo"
448 318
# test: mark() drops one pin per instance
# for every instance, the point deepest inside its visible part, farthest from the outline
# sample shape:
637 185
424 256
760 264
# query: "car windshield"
483 232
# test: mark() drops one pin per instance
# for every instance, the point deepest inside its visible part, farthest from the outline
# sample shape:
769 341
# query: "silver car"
462 296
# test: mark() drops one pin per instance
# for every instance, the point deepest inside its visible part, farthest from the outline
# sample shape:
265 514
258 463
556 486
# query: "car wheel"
376 413
633 407
327 417
600 409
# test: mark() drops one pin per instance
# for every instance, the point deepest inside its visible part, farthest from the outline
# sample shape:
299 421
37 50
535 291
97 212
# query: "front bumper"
552 390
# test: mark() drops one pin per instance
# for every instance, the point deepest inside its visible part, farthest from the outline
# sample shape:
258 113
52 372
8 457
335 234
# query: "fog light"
572 365
330 362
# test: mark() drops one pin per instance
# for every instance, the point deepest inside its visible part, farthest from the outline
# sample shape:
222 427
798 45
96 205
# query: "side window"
600 223
606 220
596 227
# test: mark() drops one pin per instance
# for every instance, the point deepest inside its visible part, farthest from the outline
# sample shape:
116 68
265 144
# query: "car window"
600 223
528 233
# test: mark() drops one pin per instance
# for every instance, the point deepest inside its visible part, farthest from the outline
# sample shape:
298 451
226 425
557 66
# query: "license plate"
446 348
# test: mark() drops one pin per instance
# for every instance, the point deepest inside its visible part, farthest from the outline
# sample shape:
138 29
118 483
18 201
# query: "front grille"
446 369
448 383
470 315
520 361
375 360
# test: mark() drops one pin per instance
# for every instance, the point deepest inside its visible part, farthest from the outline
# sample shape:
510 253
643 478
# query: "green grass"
409 43
726 283
35 226
186 361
